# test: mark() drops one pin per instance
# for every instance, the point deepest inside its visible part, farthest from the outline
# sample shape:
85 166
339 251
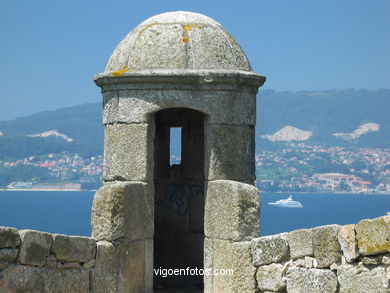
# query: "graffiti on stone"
177 197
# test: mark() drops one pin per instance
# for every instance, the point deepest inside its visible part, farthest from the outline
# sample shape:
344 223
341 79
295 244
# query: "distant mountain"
334 117
74 129
325 113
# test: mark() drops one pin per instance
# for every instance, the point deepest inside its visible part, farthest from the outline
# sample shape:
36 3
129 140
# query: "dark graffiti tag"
177 197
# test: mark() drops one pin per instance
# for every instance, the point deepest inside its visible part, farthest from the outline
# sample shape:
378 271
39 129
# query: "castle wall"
32 261
352 258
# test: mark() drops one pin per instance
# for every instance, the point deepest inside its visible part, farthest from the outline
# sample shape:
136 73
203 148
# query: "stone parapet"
351 258
34 261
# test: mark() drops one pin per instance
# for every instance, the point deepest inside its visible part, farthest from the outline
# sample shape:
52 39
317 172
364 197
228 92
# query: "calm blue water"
69 212
320 209
66 212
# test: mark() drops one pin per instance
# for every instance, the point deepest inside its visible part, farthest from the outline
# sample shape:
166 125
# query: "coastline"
315 193
261 192
47 189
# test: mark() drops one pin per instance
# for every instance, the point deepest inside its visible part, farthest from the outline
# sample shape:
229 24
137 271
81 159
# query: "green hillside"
323 112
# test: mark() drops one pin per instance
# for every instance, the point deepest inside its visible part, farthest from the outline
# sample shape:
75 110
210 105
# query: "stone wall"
32 261
351 258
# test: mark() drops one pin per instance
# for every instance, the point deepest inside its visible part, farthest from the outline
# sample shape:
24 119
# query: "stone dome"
179 40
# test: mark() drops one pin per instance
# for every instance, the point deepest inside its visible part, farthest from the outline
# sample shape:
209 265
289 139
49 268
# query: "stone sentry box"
178 69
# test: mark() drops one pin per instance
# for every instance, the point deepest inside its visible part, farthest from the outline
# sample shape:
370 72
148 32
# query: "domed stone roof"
178 40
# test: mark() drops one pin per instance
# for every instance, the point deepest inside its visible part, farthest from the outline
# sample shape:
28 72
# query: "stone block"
136 106
208 264
232 210
123 210
89 264
69 265
326 246
385 259
131 266
43 280
269 277
270 249
301 280
373 236
128 152
8 254
9 237
230 152
149 273
104 276
110 107
235 261
371 260
309 262
354 278
301 243
73 248
348 243
35 247
3 265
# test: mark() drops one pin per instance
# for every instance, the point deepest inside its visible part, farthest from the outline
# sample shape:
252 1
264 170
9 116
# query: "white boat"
288 202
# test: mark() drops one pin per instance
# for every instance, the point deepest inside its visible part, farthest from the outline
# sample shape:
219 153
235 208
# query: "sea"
69 212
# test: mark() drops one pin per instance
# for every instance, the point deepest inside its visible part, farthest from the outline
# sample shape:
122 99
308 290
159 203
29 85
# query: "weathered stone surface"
89 264
135 106
232 210
300 262
104 275
232 256
269 277
43 280
309 262
35 247
128 152
208 264
386 259
3 265
148 276
9 237
123 209
373 235
227 160
178 40
131 263
326 246
301 243
334 267
69 265
301 280
270 249
8 254
73 248
371 260
348 242
359 279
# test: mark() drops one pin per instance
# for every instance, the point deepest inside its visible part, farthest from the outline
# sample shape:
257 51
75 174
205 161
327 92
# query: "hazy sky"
50 50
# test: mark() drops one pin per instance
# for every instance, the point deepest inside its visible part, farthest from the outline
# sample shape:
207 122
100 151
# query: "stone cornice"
180 79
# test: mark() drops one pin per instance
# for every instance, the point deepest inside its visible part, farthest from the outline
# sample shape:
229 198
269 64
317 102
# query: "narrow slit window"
175 134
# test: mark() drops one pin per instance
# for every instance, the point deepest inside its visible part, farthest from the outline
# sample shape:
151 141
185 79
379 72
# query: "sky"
51 49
